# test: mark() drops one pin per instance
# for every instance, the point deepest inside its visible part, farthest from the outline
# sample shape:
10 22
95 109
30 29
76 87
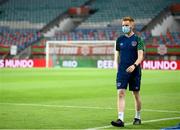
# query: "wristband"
135 65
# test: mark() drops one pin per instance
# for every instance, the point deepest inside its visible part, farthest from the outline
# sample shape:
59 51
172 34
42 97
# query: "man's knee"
136 95
121 93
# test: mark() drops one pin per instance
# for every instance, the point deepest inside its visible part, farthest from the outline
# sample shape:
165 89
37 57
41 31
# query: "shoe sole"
117 125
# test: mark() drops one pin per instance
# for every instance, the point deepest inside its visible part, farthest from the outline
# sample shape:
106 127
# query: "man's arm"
116 59
140 52
116 55
137 62
140 57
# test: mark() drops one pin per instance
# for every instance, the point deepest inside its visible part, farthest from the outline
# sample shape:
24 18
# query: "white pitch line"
127 124
101 108
84 107
57 106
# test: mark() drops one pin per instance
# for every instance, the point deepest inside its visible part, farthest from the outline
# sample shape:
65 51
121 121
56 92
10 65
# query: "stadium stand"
168 39
109 11
105 23
35 11
21 38
94 34
22 20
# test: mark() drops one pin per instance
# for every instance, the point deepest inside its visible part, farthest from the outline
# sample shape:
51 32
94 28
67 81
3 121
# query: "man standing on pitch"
128 56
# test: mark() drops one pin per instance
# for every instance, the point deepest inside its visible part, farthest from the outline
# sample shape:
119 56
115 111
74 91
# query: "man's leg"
137 101
120 107
121 103
121 84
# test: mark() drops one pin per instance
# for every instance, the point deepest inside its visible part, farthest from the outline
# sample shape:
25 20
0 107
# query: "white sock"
121 116
138 115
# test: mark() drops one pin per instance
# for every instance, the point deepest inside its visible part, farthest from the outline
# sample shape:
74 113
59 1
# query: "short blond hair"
128 18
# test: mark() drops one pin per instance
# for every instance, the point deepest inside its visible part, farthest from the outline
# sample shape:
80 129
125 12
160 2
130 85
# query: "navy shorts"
132 79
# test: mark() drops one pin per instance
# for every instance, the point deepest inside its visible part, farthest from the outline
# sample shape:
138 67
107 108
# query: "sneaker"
137 121
117 123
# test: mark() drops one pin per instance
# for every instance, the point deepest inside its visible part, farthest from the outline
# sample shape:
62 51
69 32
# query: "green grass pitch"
83 98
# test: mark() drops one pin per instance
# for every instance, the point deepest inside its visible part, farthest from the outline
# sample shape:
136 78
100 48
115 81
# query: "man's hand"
130 69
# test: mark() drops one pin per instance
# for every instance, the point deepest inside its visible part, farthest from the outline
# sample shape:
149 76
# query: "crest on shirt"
133 43
121 44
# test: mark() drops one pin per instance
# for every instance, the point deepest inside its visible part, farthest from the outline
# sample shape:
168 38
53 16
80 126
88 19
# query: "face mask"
126 29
